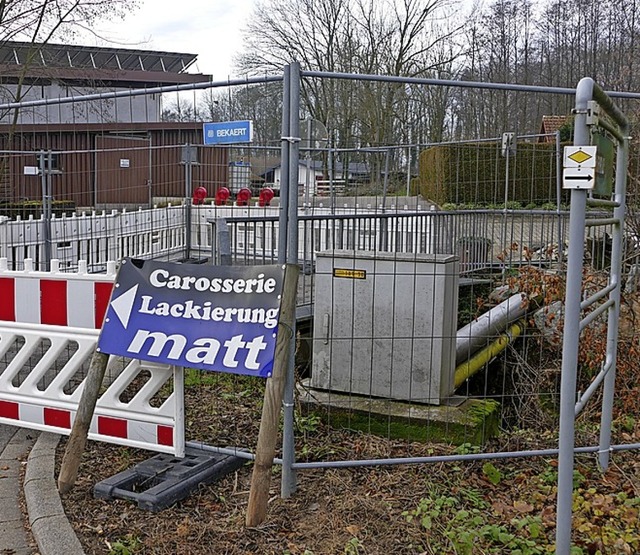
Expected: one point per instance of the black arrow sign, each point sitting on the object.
(578, 177)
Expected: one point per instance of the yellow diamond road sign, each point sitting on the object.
(579, 157)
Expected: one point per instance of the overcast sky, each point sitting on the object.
(212, 29)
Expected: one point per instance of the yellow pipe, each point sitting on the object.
(467, 369)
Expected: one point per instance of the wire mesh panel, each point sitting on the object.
(417, 234)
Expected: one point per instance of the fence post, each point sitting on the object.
(221, 252)
(288, 485)
(112, 226)
(80, 430)
(4, 237)
(45, 161)
(273, 396)
(571, 339)
(284, 165)
(188, 155)
(586, 91)
(559, 198)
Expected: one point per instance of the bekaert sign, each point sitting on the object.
(219, 318)
(227, 132)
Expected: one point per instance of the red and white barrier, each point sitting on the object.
(77, 300)
(39, 362)
(103, 428)
(49, 326)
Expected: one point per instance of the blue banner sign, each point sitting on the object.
(227, 132)
(219, 318)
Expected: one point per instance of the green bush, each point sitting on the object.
(475, 174)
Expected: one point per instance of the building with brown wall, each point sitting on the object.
(107, 151)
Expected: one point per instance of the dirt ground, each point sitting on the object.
(467, 508)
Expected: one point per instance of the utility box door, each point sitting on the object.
(385, 324)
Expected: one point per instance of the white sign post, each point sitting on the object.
(579, 167)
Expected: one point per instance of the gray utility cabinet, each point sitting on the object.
(385, 324)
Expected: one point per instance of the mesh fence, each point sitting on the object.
(430, 301)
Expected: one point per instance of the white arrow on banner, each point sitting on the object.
(123, 305)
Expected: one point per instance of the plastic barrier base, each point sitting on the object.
(162, 480)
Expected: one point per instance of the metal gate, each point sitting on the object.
(595, 114)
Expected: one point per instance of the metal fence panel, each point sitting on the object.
(502, 214)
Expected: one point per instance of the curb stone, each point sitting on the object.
(50, 527)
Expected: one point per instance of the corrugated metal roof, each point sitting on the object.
(93, 57)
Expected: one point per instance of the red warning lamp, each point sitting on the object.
(266, 196)
(243, 197)
(222, 196)
(199, 194)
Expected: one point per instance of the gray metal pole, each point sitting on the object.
(45, 172)
(283, 215)
(409, 167)
(359, 463)
(407, 90)
(614, 312)
(332, 188)
(288, 486)
(188, 191)
(559, 197)
(43, 185)
(577, 218)
(385, 180)
(307, 179)
(244, 81)
(505, 223)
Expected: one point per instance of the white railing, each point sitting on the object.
(76, 299)
(202, 216)
(100, 237)
(161, 233)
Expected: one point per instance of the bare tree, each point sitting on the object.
(38, 23)
(261, 103)
(554, 46)
(500, 51)
(179, 110)
(553, 43)
(394, 37)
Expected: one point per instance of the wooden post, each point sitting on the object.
(271, 410)
(78, 437)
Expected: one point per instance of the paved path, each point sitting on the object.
(15, 444)
(50, 527)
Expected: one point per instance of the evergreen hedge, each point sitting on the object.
(474, 174)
